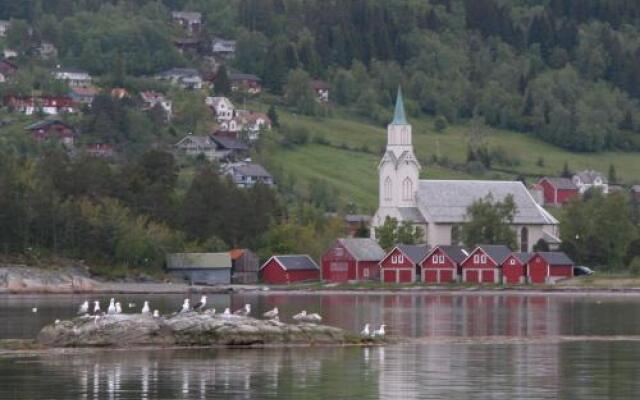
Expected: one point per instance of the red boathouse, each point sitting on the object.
(548, 267)
(281, 270)
(483, 264)
(352, 259)
(442, 264)
(514, 268)
(402, 264)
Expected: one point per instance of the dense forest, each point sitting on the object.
(561, 70)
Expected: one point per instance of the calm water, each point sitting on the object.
(530, 364)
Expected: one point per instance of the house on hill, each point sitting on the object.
(352, 259)
(223, 48)
(193, 146)
(84, 94)
(73, 77)
(4, 27)
(286, 269)
(190, 21)
(321, 89)
(7, 70)
(186, 78)
(442, 264)
(588, 179)
(151, 99)
(200, 268)
(558, 191)
(188, 45)
(246, 175)
(402, 264)
(245, 82)
(222, 107)
(439, 207)
(228, 148)
(51, 129)
(49, 105)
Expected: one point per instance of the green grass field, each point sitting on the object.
(353, 174)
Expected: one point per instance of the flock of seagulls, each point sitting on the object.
(378, 333)
(114, 307)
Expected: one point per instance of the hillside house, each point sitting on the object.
(100, 150)
(587, 179)
(7, 70)
(223, 48)
(245, 82)
(47, 51)
(194, 146)
(222, 107)
(200, 268)
(514, 268)
(9, 53)
(254, 123)
(246, 175)
(228, 148)
(186, 78)
(549, 267)
(286, 269)
(321, 89)
(187, 45)
(151, 99)
(4, 27)
(352, 259)
(52, 129)
(443, 264)
(483, 264)
(73, 77)
(83, 95)
(188, 20)
(402, 264)
(119, 93)
(244, 266)
(558, 191)
(49, 105)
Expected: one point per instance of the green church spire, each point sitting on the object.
(399, 117)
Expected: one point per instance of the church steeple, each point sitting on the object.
(399, 117)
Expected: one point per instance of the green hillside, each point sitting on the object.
(348, 161)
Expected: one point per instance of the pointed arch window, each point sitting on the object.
(388, 190)
(407, 189)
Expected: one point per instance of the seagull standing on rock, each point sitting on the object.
(379, 333)
(84, 308)
(118, 308)
(96, 306)
(227, 312)
(145, 308)
(156, 314)
(313, 317)
(245, 311)
(185, 306)
(200, 306)
(271, 314)
(300, 316)
(366, 332)
(112, 306)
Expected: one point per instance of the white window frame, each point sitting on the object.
(441, 259)
(483, 259)
(476, 259)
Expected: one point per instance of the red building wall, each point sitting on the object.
(513, 271)
(562, 271)
(338, 265)
(368, 270)
(480, 270)
(538, 270)
(397, 268)
(553, 196)
(274, 274)
(439, 268)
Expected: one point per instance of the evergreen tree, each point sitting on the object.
(222, 82)
(273, 116)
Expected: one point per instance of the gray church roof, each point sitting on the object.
(411, 214)
(446, 201)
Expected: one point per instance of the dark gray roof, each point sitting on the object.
(296, 262)
(179, 72)
(255, 170)
(497, 252)
(561, 183)
(353, 218)
(411, 214)
(198, 261)
(556, 257)
(228, 143)
(363, 249)
(523, 257)
(45, 123)
(415, 252)
(242, 77)
(446, 201)
(456, 253)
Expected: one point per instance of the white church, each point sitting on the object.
(439, 207)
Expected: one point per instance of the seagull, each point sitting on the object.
(313, 317)
(56, 322)
(112, 306)
(156, 314)
(200, 306)
(118, 308)
(271, 314)
(300, 316)
(96, 307)
(366, 332)
(185, 306)
(84, 308)
(34, 310)
(145, 308)
(227, 312)
(379, 332)
(211, 311)
(245, 311)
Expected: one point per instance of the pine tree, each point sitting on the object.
(222, 83)
(613, 178)
(273, 116)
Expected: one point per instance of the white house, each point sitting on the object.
(73, 77)
(223, 48)
(222, 107)
(152, 99)
(4, 27)
(588, 179)
(439, 207)
(189, 20)
(186, 78)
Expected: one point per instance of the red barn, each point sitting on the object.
(483, 264)
(558, 191)
(514, 268)
(352, 259)
(280, 270)
(442, 264)
(548, 267)
(402, 264)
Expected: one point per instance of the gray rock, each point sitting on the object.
(184, 329)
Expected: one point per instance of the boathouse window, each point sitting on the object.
(483, 259)
(441, 259)
(476, 259)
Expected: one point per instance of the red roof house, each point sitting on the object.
(514, 268)
(285, 269)
(483, 264)
(442, 264)
(401, 264)
(321, 88)
(558, 191)
(548, 267)
(352, 259)
(52, 129)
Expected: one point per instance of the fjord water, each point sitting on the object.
(466, 346)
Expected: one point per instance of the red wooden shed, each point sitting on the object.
(352, 259)
(402, 264)
(286, 269)
(442, 264)
(514, 268)
(483, 264)
(548, 267)
(558, 191)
